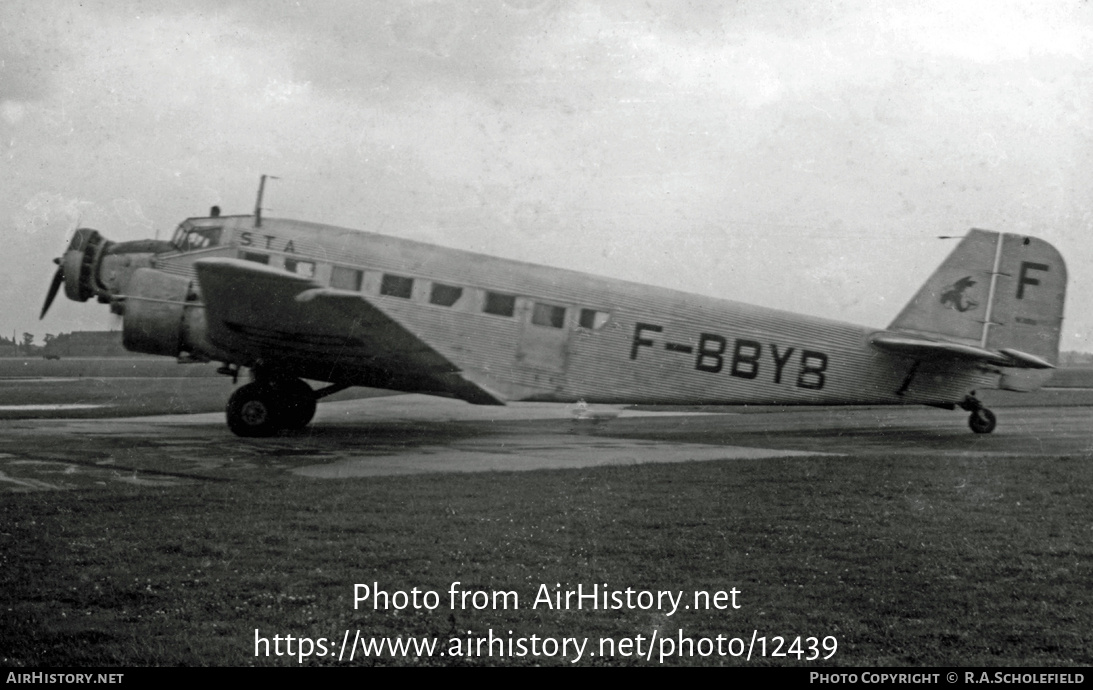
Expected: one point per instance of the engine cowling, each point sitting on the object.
(164, 316)
(79, 263)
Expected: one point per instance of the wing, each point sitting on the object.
(268, 317)
(911, 346)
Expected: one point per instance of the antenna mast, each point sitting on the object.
(258, 201)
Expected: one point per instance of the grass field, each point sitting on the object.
(905, 561)
(102, 367)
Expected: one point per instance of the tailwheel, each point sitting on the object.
(253, 411)
(982, 421)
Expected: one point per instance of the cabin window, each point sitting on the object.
(305, 269)
(445, 295)
(499, 304)
(256, 258)
(346, 278)
(192, 239)
(548, 315)
(592, 319)
(397, 286)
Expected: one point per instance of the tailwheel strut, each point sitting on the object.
(981, 420)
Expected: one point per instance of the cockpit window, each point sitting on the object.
(188, 239)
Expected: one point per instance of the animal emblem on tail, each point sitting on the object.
(954, 296)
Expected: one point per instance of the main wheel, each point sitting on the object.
(297, 402)
(254, 410)
(982, 421)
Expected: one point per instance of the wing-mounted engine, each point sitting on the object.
(164, 316)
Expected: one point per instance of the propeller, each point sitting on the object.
(80, 256)
(58, 281)
(58, 277)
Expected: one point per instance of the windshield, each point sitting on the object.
(188, 238)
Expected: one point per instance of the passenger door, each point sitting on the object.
(544, 336)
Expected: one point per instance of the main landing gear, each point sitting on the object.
(270, 404)
(981, 420)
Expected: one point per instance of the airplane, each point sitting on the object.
(292, 300)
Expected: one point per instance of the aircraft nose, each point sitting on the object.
(75, 270)
(79, 264)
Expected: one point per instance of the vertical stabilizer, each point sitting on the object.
(995, 291)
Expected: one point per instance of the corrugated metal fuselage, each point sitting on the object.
(531, 332)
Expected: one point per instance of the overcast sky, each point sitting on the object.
(802, 155)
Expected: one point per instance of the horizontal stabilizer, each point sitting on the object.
(1027, 360)
(932, 349)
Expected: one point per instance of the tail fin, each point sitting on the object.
(995, 291)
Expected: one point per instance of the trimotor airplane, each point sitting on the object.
(293, 300)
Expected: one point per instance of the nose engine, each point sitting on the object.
(93, 266)
(79, 262)
(162, 313)
(75, 269)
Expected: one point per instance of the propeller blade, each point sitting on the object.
(58, 280)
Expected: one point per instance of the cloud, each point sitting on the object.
(621, 138)
(46, 210)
